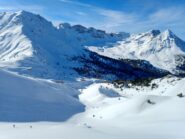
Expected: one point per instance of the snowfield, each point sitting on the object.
(109, 112)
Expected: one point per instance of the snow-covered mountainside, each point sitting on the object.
(30, 44)
(162, 49)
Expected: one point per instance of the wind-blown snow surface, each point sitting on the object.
(159, 48)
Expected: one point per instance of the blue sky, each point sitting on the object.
(112, 15)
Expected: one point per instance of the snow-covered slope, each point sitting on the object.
(30, 44)
(25, 99)
(112, 112)
(136, 112)
(14, 45)
(162, 49)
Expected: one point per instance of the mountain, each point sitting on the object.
(75, 82)
(31, 45)
(162, 49)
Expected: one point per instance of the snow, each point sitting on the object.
(160, 49)
(14, 45)
(24, 99)
(48, 107)
(126, 115)
(28, 41)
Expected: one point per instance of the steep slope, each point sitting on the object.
(162, 49)
(14, 44)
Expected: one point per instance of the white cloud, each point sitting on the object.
(115, 18)
(109, 18)
(167, 15)
(76, 3)
(164, 18)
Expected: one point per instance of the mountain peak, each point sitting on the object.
(168, 34)
(21, 17)
(159, 48)
(22, 12)
(165, 34)
(168, 31)
(17, 13)
(152, 33)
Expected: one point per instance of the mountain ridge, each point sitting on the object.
(31, 45)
